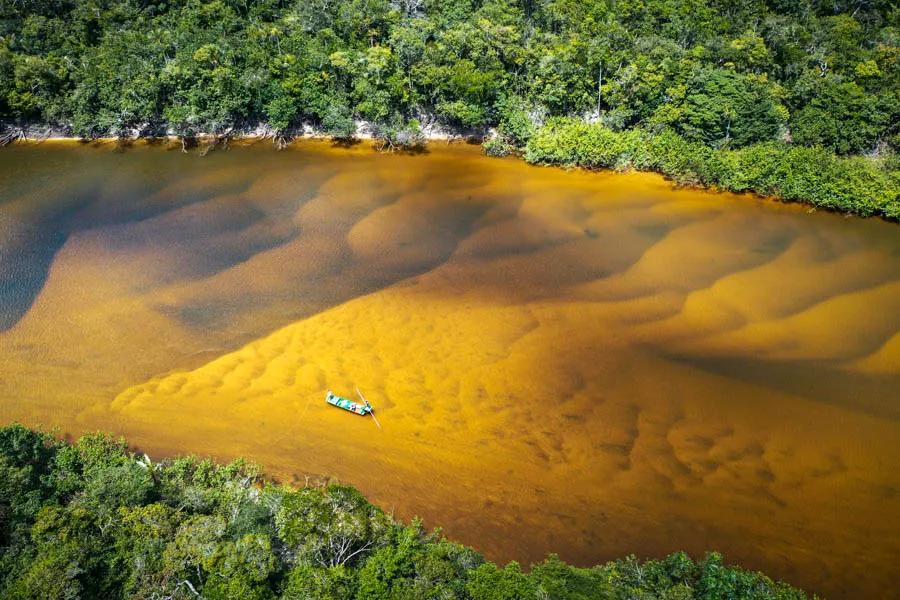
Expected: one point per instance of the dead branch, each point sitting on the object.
(190, 586)
(11, 136)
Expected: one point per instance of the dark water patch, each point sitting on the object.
(23, 271)
(103, 193)
(874, 394)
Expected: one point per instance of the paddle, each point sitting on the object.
(371, 410)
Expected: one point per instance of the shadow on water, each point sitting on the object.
(37, 222)
(129, 185)
(23, 272)
(30, 245)
(813, 380)
(346, 142)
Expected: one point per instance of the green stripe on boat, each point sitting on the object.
(340, 402)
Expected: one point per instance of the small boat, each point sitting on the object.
(362, 409)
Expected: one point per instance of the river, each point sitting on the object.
(592, 364)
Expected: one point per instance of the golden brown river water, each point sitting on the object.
(587, 364)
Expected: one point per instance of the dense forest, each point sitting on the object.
(94, 520)
(687, 75)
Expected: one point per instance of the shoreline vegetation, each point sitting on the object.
(810, 175)
(94, 519)
(799, 100)
(858, 185)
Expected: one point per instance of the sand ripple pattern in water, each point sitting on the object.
(592, 364)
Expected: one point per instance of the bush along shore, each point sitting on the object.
(816, 176)
(94, 520)
(799, 99)
(856, 185)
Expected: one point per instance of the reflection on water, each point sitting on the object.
(592, 364)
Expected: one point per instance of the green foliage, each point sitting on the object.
(80, 523)
(329, 527)
(573, 142)
(281, 111)
(52, 574)
(725, 109)
(556, 579)
(814, 175)
(87, 463)
(305, 582)
(399, 135)
(842, 116)
(25, 464)
(27, 448)
(727, 74)
(677, 577)
(415, 566)
(515, 123)
(489, 582)
(338, 123)
(723, 75)
(497, 146)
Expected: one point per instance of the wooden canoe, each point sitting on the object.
(354, 407)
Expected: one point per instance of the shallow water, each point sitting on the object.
(587, 364)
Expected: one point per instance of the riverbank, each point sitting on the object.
(362, 130)
(860, 186)
(96, 519)
(852, 185)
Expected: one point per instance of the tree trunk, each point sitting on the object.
(599, 90)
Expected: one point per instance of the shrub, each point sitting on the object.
(497, 147)
(514, 122)
(816, 176)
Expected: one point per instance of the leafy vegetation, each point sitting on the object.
(722, 74)
(93, 520)
(727, 73)
(814, 175)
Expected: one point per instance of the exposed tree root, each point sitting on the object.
(12, 135)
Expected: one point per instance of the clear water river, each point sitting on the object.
(592, 364)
